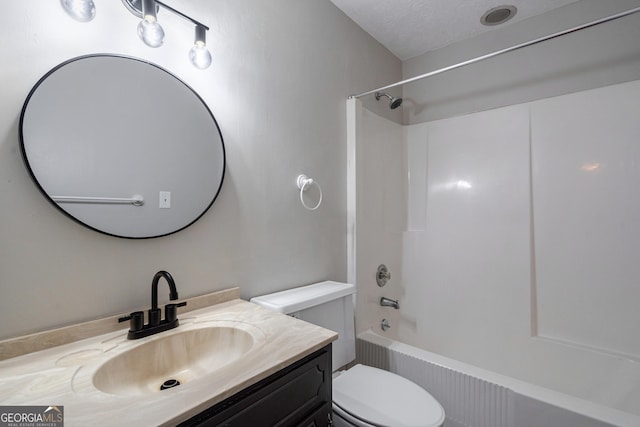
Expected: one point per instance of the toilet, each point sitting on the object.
(363, 396)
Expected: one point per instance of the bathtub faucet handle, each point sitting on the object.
(383, 275)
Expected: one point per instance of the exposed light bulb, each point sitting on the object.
(200, 56)
(151, 32)
(80, 10)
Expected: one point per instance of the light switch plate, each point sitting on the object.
(165, 199)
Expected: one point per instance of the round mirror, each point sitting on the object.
(122, 146)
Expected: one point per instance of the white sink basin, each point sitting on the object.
(180, 356)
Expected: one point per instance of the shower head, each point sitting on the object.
(393, 102)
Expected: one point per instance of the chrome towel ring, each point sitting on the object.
(304, 182)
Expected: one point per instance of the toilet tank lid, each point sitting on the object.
(297, 299)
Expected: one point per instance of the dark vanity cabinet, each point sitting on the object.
(298, 395)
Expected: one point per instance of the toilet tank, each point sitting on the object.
(326, 304)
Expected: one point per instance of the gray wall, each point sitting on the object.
(281, 72)
(595, 57)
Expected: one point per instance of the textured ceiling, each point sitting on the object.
(412, 27)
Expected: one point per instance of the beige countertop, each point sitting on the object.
(63, 375)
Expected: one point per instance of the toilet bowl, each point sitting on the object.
(363, 396)
(366, 396)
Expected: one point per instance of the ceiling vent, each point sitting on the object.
(498, 15)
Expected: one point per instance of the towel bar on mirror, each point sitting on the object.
(135, 200)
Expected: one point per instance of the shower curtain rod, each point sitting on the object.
(500, 52)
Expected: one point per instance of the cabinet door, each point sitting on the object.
(320, 418)
(299, 395)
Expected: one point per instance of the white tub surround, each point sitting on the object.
(517, 253)
(63, 375)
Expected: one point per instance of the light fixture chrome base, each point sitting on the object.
(135, 7)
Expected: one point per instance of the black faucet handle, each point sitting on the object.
(171, 311)
(136, 318)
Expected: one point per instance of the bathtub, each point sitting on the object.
(473, 397)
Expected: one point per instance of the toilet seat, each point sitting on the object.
(379, 398)
(339, 414)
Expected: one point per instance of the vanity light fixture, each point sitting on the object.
(152, 33)
(149, 29)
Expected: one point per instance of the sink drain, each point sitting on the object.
(169, 384)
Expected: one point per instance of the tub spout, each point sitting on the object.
(387, 302)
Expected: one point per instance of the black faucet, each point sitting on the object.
(137, 327)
